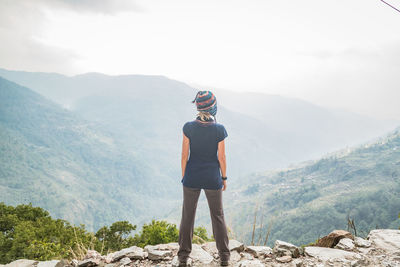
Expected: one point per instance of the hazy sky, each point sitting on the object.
(338, 53)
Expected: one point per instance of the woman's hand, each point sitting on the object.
(224, 185)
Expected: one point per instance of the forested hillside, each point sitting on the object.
(54, 159)
(309, 200)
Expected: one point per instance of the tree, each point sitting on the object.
(157, 232)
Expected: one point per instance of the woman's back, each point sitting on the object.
(202, 170)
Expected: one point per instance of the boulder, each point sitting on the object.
(22, 263)
(345, 244)
(198, 254)
(158, 252)
(235, 256)
(330, 253)
(258, 251)
(284, 259)
(282, 248)
(124, 261)
(133, 252)
(385, 239)
(333, 238)
(52, 263)
(210, 247)
(175, 262)
(361, 242)
(92, 254)
(154, 254)
(89, 262)
(236, 245)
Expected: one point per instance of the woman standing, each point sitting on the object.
(205, 169)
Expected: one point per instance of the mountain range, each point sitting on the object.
(94, 149)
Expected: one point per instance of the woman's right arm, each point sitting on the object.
(222, 161)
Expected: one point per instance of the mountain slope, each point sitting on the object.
(313, 198)
(54, 159)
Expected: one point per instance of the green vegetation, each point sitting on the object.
(29, 232)
(310, 201)
(55, 160)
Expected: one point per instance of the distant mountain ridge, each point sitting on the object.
(147, 112)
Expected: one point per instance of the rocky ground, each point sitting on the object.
(339, 248)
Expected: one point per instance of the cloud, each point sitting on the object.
(21, 25)
(95, 6)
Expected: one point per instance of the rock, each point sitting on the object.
(74, 263)
(297, 263)
(258, 251)
(210, 247)
(282, 248)
(124, 261)
(22, 263)
(175, 262)
(154, 254)
(345, 244)
(250, 263)
(133, 252)
(284, 259)
(92, 254)
(385, 239)
(236, 245)
(361, 242)
(330, 253)
(333, 238)
(89, 262)
(63, 263)
(235, 256)
(52, 263)
(246, 256)
(200, 255)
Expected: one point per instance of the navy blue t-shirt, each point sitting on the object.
(202, 168)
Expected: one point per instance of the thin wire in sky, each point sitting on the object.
(391, 6)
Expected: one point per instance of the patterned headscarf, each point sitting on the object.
(206, 101)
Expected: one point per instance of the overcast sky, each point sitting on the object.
(337, 53)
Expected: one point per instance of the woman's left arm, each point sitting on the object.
(185, 153)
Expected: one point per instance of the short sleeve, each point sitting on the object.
(221, 133)
(186, 129)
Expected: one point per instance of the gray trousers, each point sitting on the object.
(186, 228)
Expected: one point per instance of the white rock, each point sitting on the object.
(386, 239)
(236, 245)
(133, 252)
(284, 259)
(210, 247)
(175, 262)
(345, 244)
(361, 242)
(258, 251)
(92, 254)
(330, 253)
(22, 263)
(199, 254)
(124, 261)
(250, 263)
(284, 248)
(154, 254)
(51, 263)
(235, 256)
